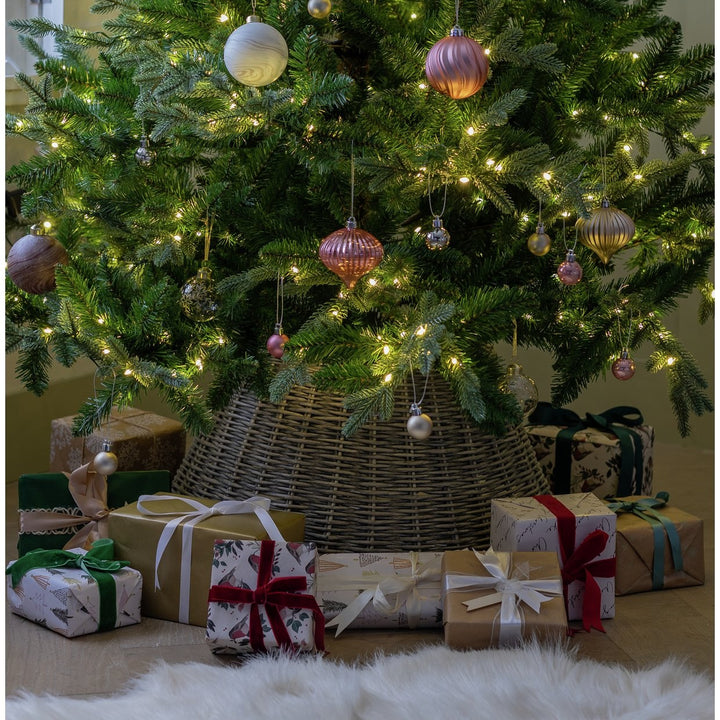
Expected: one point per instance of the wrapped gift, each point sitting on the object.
(380, 590)
(607, 454)
(499, 599)
(64, 510)
(140, 439)
(581, 530)
(169, 539)
(658, 546)
(75, 592)
(262, 597)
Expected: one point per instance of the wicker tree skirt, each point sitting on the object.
(379, 490)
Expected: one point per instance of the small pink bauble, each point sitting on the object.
(569, 271)
(624, 367)
(276, 345)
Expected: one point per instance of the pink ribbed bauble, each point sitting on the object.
(32, 259)
(456, 65)
(350, 252)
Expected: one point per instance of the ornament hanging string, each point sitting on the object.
(208, 233)
(626, 346)
(514, 342)
(352, 180)
(417, 404)
(279, 302)
(457, 12)
(442, 212)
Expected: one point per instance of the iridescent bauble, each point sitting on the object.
(624, 367)
(438, 238)
(456, 65)
(255, 53)
(522, 387)
(32, 260)
(569, 271)
(276, 344)
(419, 425)
(197, 297)
(539, 242)
(319, 8)
(105, 462)
(606, 230)
(350, 252)
(144, 156)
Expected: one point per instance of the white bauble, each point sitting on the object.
(106, 463)
(419, 426)
(255, 53)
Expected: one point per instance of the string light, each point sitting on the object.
(223, 18)
(128, 372)
(470, 130)
(372, 282)
(47, 331)
(547, 176)
(388, 378)
(386, 349)
(464, 179)
(671, 360)
(106, 351)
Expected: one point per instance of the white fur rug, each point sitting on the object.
(435, 683)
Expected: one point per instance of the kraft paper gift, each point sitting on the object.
(589, 545)
(262, 597)
(169, 538)
(496, 599)
(380, 590)
(75, 592)
(659, 546)
(65, 510)
(141, 440)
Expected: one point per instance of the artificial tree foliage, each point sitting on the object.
(577, 91)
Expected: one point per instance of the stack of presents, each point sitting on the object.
(96, 552)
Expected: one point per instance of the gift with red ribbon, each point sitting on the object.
(581, 529)
(280, 611)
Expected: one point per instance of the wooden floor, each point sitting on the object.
(648, 627)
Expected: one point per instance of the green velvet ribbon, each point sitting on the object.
(97, 562)
(617, 420)
(661, 526)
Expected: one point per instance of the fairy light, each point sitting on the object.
(498, 167)
(565, 213)
(422, 86)
(199, 233)
(106, 351)
(627, 148)
(421, 331)
(413, 16)
(178, 214)
(575, 113)
(295, 269)
(418, 229)
(199, 364)
(638, 176)
(47, 224)
(547, 176)
(221, 340)
(635, 56)
(177, 238)
(223, 18)
(489, 162)
(388, 378)
(373, 282)
(386, 349)
(454, 361)
(334, 313)
(128, 372)
(101, 321)
(487, 51)
(470, 130)
(671, 360)
(47, 331)
(54, 144)
(464, 179)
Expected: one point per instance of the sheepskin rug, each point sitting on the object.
(434, 683)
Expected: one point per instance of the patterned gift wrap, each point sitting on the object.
(581, 529)
(262, 597)
(69, 600)
(380, 590)
(579, 455)
(141, 440)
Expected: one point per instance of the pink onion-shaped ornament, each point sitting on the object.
(350, 252)
(276, 342)
(569, 272)
(624, 367)
(457, 65)
(606, 231)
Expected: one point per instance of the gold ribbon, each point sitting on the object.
(89, 491)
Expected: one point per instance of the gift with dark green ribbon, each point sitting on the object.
(622, 422)
(98, 563)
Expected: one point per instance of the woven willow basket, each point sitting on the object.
(378, 490)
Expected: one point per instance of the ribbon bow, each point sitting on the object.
(402, 588)
(96, 562)
(616, 421)
(89, 491)
(512, 589)
(196, 514)
(578, 562)
(645, 508)
(273, 594)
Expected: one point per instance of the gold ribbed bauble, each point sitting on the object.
(606, 231)
(456, 65)
(350, 252)
(32, 259)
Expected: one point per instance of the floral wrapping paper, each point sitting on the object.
(66, 600)
(595, 458)
(235, 563)
(342, 577)
(526, 525)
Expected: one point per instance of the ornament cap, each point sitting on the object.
(38, 229)
(252, 18)
(415, 409)
(570, 257)
(605, 203)
(106, 446)
(624, 355)
(540, 229)
(204, 273)
(351, 223)
(278, 329)
(513, 370)
(437, 222)
(457, 31)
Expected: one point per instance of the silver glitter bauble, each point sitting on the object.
(319, 8)
(197, 297)
(144, 156)
(438, 238)
(522, 387)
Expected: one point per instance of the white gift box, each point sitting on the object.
(525, 524)
(381, 590)
(67, 599)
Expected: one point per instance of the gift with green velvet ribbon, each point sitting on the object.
(646, 508)
(97, 562)
(617, 421)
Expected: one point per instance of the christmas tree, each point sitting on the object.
(186, 200)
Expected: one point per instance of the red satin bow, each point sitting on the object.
(578, 563)
(273, 594)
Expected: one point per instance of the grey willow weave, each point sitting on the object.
(378, 490)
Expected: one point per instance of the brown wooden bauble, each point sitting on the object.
(456, 65)
(351, 253)
(32, 259)
(606, 231)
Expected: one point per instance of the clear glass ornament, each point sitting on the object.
(570, 272)
(197, 297)
(438, 238)
(521, 386)
(144, 156)
(319, 8)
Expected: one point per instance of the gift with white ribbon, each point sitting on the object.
(380, 589)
